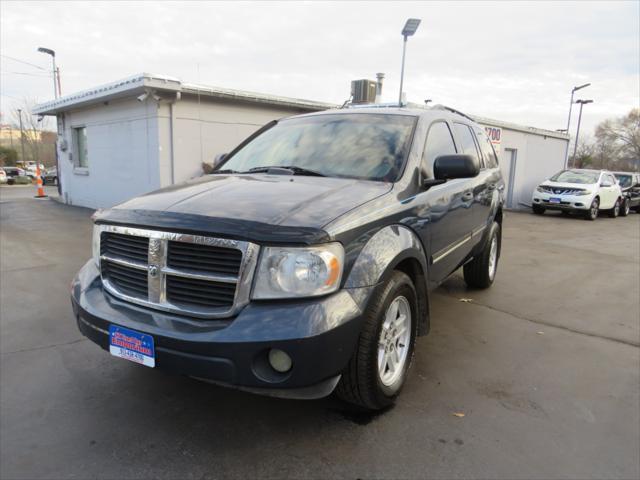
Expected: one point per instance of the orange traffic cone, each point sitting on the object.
(39, 183)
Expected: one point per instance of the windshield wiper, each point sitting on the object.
(226, 170)
(292, 168)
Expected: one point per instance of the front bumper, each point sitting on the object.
(567, 202)
(318, 334)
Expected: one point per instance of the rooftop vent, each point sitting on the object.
(363, 91)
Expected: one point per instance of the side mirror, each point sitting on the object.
(218, 159)
(447, 167)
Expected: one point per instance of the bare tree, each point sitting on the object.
(620, 138)
(32, 128)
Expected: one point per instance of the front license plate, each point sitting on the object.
(131, 345)
(554, 200)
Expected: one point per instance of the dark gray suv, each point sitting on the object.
(303, 264)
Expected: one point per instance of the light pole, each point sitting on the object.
(575, 147)
(48, 51)
(574, 90)
(409, 29)
(24, 160)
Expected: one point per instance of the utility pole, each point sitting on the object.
(24, 159)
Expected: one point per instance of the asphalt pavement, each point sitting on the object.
(538, 377)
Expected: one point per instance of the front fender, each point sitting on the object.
(384, 252)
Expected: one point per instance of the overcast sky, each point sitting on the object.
(512, 61)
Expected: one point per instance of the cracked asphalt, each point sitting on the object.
(545, 367)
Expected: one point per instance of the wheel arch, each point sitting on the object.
(394, 247)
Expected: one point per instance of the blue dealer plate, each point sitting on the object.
(554, 200)
(131, 345)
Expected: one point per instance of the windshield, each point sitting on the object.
(575, 176)
(624, 180)
(364, 146)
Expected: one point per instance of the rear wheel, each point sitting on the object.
(481, 271)
(615, 211)
(378, 369)
(537, 209)
(592, 213)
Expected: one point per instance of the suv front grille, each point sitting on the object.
(131, 281)
(126, 247)
(190, 274)
(204, 258)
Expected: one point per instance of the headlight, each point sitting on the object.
(540, 189)
(95, 245)
(583, 192)
(299, 272)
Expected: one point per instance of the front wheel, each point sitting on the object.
(626, 207)
(378, 369)
(481, 271)
(537, 209)
(592, 213)
(615, 211)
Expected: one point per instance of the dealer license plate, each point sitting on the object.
(554, 200)
(131, 345)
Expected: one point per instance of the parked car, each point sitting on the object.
(304, 262)
(3, 176)
(13, 173)
(630, 185)
(581, 191)
(50, 177)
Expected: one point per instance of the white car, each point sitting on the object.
(583, 191)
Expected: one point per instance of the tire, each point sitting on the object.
(565, 213)
(626, 207)
(11, 181)
(615, 211)
(363, 382)
(592, 213)
(538, 210)
(481, 271)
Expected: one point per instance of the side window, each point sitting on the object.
(489, 154)
(466, 141)
(612, 179)
(81, 157)
(439, 142)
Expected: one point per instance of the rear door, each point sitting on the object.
(490, 185)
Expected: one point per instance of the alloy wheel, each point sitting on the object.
(394, 340)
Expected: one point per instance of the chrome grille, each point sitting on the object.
(131, 281)
(126, 247)
(204, 258)
(194, 275)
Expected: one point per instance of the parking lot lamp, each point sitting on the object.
(575, 147)
(48, 51)
(573, 91)
(409, 29)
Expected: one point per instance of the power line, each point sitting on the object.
(22, 61)
(28, 73)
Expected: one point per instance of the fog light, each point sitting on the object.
(279, 360)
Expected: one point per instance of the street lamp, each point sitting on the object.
(409, 29)
(574, 90)
(48, 51)
(575, 147)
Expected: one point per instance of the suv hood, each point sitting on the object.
(583, 186)
(257, 207)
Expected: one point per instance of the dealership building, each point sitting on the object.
(135, 135)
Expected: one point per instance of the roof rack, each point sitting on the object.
(452, 110)
(374, 105)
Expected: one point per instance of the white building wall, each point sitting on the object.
(537, 158)
(202, 130)
(122, 138)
